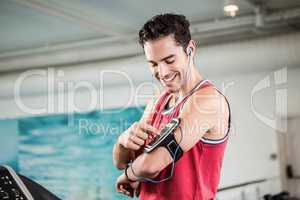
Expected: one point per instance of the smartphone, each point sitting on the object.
(168, 129)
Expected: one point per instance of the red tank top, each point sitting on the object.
(197, 173)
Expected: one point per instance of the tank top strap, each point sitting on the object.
(202, 84)
(159, 104)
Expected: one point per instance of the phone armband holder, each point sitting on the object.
(167, 139)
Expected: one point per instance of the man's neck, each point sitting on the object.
(195, 78)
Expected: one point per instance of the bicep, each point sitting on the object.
(199, 116)
(202, 114)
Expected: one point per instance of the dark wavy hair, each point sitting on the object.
(166, 24)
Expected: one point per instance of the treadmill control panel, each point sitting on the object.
(11, 186)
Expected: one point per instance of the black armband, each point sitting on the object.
(167, 139)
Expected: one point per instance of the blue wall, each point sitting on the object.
(71, 154)
(9, 142)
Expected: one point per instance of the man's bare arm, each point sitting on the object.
(130, 141)
(207, 111)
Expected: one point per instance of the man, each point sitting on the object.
(203, 132)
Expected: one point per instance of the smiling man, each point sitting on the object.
(202, 135)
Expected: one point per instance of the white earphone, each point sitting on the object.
(190, 51)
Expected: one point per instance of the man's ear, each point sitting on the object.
(191, 48)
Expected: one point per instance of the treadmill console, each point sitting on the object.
(11, 186)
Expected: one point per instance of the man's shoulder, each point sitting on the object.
(208, 102)
(208, 90)
(208, 97)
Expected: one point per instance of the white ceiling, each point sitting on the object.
(32, 24)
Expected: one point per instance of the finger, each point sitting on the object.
(138, 140)
(122, 189)
(149, 118)
(134, 127)
(119, 188)
(132, 145)
(128, 190)
(149, 128)
(138, 190)
(142, 134)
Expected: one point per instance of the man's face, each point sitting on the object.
(168, 62)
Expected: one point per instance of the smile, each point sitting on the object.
(171, 78)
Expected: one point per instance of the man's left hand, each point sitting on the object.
(124, 186)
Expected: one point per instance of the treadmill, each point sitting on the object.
(18, 187)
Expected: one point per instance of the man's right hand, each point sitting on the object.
(134, 138)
